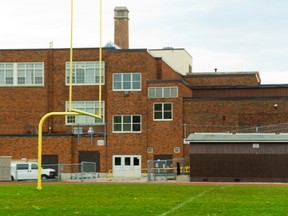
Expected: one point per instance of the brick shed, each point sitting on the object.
(238, 157)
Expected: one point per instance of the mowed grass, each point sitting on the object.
(143, 199)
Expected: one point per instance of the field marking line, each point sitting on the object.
(191, 199)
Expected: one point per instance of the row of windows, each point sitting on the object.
(163, 92)
(121, 123)
(83, 73)
(31, 74)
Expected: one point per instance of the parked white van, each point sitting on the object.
(29, 170)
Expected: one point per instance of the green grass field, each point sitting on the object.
(143, 199)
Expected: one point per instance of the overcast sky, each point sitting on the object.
(231, 35)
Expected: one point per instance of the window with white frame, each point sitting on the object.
(127, 123)
(126, 81)
(86, 106)
(162, 111)
(22, 74)
(163, 92)
(85, 73)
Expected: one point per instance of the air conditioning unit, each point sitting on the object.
(77, 130)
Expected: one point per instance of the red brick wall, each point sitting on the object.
(222, 79)
(228, 115)
(66, 148)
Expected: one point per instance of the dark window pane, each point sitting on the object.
(157, 115)
(158, 107)
(167, 115)
(117, 127)
(167, 106)
(34, 166)
(136, 119)
(136, 127)
(126, 119)
(117, 161)
(126, 127)
(136, 161)
(22, 166)
(117, 119)
(127, 161)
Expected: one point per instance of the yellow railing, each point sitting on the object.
(185, 169)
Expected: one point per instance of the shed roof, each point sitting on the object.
(237, 137)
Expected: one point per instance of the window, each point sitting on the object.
(85, 73)
(22, 166)
(86, 106)
(162, 111)
(126, 81)
(34, 166)
(22, 74)
(136, 161)
(117, 161)
(126, 123)
(127, 161)
(163, 92)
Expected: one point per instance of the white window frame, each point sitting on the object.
(163, 111)
(86, 106)
(161, 92)
(129, 84)
(122, 124)
(29, 72)
(86, 73)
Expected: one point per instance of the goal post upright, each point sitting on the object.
(71, 111)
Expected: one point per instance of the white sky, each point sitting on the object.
(231, 35)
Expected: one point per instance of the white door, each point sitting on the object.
(127, 165)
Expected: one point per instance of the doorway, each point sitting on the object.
(90, 156)
(127, 165)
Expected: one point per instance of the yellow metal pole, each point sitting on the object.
(71, 111)
(71, 57)
(85, 113)
(100, 63)
(40, 138)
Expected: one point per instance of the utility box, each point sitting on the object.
(5, 168)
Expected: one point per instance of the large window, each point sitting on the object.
(22, 74)
(163, 92)
(85, 73)
(86, 106)
(127, 123)
(162, 111)
(127, 81)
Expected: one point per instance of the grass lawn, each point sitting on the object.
(143, 199)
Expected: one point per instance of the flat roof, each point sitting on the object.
(237, 137)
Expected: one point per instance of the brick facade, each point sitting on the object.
(203, 109)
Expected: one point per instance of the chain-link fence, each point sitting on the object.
(85, 171)
(163, 170)
(28, 171)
